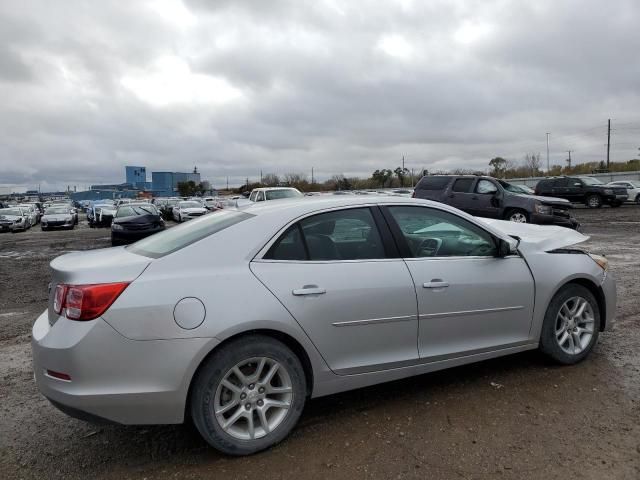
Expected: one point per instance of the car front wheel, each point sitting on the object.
(518, 216)
(248, 395)
(571, 325)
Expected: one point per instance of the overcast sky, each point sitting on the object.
(237, 86)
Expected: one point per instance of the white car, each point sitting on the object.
(31, 212)
(187, 210)
(305, 298)
(273, 193)
(633, 189)
(57, 216)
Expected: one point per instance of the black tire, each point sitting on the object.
(593, 201)
(214, 370)
(548, 343)
(638, 199)
(514, 213)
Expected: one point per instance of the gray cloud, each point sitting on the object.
(236, 87)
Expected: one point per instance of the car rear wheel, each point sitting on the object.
(594, 201)
(248, 395)
(518, 216)
(571, 325)
(638, 199)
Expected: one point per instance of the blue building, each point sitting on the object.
(136, 176)
(166, 183)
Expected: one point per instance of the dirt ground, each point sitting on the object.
(514, 417)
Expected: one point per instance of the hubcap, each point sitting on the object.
(593, 201)
(253, 398)
(518, 217)
(574, 325)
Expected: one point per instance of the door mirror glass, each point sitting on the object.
(577, 184)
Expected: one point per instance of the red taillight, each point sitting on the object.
(86, 302)
(58, 299)
(60, 376)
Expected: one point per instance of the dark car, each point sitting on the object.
(588, 190)
(488, 197)
(135, 221)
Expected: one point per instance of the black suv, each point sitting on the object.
(492, 198)
(588, 190)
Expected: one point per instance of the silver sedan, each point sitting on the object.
(235, 319)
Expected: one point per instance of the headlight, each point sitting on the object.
(608, 191)
(602, 262)
(543, 209)
(116, 226)
(19, 220)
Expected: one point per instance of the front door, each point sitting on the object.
(333, 273)
(469, 301)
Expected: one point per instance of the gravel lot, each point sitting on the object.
(514, 417)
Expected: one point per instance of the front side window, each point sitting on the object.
(349, 234)
(433, 233)
(260, 197)
(253, 196)
(486, 187)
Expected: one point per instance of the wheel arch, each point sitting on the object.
(279, 335)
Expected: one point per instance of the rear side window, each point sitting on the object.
(433, 183)
(462, 185)
(349, 234)
(176, 238)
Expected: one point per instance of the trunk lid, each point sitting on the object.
(105, 265)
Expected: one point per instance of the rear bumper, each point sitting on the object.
(114, 378)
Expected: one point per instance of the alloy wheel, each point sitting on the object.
(253, 398)
(574, 325)
(518, 217)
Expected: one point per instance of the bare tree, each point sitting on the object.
(532, 163)
(270, 180)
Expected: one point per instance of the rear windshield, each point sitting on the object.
(433, 183)
(277, 194)
(175, 238)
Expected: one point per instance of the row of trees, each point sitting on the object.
(529, 166)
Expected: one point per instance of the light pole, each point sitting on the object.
(548, 152)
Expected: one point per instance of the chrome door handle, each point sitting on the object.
(436, 284)
(309, 290)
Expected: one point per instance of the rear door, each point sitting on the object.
(336, 272)
(460, 195)
(469, 301)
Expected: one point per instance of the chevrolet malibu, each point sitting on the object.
(235, 319)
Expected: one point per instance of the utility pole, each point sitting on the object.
(312, 179)
(260, 176)
(548, 152)
(569, 159)
(403, 163)
(608, 141)
(227, 184)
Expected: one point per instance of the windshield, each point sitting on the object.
(11, 211)
(277, 194)
(56, 211)
(175, 238)
(190, 205)
(509, 187)
(590, 181)
(133, 210)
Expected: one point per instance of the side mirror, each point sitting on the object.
(506, 248)
(577, 184)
